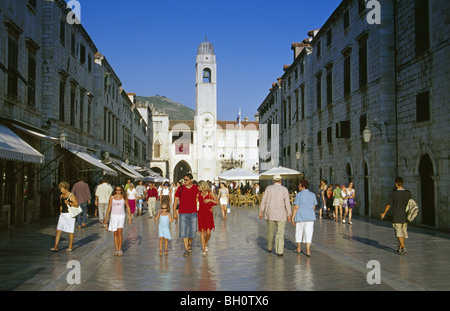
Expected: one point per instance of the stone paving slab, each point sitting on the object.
(237, 259)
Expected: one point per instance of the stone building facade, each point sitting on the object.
(351, 75)
(58, 96)
(423, 110)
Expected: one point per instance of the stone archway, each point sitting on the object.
(157, 170)
(427, 190)
(366, 190)
(180, 169)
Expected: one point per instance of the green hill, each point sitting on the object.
(176, 111)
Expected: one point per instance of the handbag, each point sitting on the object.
(73, 210)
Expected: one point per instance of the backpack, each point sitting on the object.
(412, 209)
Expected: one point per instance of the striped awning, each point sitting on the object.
(131, 170)
(123, 171)
(94, 161)
(14, 148)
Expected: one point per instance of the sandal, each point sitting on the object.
(53, 249)
(186, 253)
(68, 250)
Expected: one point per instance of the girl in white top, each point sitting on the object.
(131, 196)
(116, 207)
(350, 202)
(223, 198)
(165, 195)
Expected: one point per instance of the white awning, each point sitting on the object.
(94, 161)
(36, 134)
(131, 170)
(12, 147)
(238, 174)
(124, 171)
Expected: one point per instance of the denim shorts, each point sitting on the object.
(188, 225)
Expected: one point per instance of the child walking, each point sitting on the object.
(164, 230)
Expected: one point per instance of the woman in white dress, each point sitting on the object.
(116, 207)
(65, 223)
(223, 199)
(350, 202)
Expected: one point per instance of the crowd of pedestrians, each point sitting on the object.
(335, 203)
(191, 203)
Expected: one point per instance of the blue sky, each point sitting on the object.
(152, 45)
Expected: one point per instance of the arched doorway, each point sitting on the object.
(348, 170)
(157, 170)
(427, 190)
(366, 190)
(180, 169)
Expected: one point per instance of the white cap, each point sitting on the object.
(277, 177)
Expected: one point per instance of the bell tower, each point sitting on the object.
(206, 111)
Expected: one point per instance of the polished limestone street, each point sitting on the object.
(343, 258)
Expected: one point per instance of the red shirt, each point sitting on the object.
(152, 193)
(188, 199)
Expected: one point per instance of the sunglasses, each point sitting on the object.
(118, 189)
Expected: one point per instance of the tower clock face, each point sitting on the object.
(207, 119)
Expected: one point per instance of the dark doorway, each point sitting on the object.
(180, 169)
(366, 190)
(157, 170)
(349, 173)
(427, 191)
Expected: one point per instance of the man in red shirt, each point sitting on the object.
(152, 196)
(186, 195)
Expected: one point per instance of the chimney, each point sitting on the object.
(297, 48)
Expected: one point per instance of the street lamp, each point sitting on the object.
(63, 136)
(367, 134)
(297, 156)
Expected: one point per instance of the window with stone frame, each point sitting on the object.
(329, 134)
(13, 64)
(62, 98)
(62, 32)
(422, 26)
(329, 84)
(346, 19)
(319, 91)
(363, 61)
(347, 75)
(423, 107)
(31, 94)
(157, 149)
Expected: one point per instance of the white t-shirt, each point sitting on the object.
(131, 194)
(103, 193)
